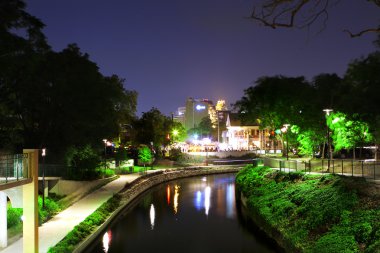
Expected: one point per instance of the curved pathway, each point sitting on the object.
(53, 231)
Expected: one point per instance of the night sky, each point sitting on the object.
(173, 49)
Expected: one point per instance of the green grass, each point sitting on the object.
(315, 213)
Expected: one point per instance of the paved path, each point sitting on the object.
(53, 231)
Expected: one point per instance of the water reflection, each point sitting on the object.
(198, 200)
(168, 195)
(152, 215)
(175, 201)
(207, 199)
(230, 200)
(107, 237)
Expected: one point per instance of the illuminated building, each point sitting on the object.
(247, 137)
(196, 110)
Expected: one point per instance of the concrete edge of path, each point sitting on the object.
(136, 189)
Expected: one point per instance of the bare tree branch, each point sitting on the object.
(354, 35)
(299, 13)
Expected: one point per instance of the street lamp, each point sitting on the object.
(43, 154)
(285, 130)
(105, 155)
(329, 155)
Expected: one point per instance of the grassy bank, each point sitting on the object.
(314, 213)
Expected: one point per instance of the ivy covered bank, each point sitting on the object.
(312, 213)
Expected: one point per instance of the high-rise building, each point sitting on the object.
(196, 110)
(179, 116)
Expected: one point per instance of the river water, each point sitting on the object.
(196, 214)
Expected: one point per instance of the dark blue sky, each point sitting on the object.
(173, 49)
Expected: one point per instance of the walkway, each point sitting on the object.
(53, 231)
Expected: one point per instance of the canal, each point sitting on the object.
(196, 214)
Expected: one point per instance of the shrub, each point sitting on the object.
(14, 217)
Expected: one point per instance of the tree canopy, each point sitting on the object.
(53, 99)
(274, 101)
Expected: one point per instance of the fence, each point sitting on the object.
(53, 170)
(362, 168)
(13, 168)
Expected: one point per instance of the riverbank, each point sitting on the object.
(312, 213)
(137, 187)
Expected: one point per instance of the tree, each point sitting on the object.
(50, 99)
(154, 127)
(205, 127)
(309, 140)
(363, 82)
(347, 133)
(145, 155)
(278, 100)
(301, 14)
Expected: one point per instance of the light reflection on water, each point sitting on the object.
(107, 237)
(207, 199)
(175, 201)
(152, 215)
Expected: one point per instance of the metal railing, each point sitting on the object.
(363, 168)
(13, 168)
(53, 170)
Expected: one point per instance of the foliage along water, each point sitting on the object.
(197, 214)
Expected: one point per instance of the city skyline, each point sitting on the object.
(170, 51)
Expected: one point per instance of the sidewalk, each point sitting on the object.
(53, 231)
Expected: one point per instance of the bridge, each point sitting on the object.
(19, 183)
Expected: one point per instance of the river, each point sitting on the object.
(196, 214)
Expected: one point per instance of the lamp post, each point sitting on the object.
(43, 154)
(105, 155)
(285, 130)
(329, 155)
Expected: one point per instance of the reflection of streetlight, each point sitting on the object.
(329, 155)
(285, 130)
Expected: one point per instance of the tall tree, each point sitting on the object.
(363, 79)
(154, 127)
(22, 50)
(278, 100)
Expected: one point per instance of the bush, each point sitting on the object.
(51, 208)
